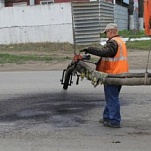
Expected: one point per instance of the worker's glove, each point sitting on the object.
(85, 50)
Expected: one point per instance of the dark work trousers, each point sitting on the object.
(112, 108)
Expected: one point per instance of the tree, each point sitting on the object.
(140, 14)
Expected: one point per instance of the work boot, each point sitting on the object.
(103, 121)
(108, 124)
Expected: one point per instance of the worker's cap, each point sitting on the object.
(110, 26)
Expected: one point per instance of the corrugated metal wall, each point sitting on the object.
(106, 14)
(86, 22)
(121, 17)
(89, 19)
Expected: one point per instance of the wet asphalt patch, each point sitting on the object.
(58, 109)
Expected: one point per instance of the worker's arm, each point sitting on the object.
(109, 50)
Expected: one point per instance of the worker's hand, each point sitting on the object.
(84, 50)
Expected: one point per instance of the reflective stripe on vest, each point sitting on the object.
(114, 59)
(116, 65)
(121, 57)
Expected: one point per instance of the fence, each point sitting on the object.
(42, 23)
(78, 22)
(121, 17)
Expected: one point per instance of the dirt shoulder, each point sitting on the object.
(137, 60)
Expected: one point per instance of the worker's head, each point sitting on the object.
(111, 30)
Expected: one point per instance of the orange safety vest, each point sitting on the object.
(116, 65)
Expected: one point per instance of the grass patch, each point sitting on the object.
(37, 47)
(11, 58)
(20, 59)
(139, 45)
(129, 34)
(47, 52)
(132, 34)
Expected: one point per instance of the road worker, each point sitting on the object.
(113, 60)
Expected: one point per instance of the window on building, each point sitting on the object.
(46, 2)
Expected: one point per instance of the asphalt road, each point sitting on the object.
(36, 114)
